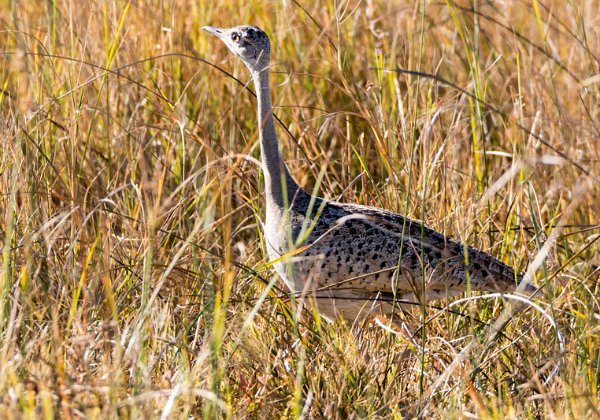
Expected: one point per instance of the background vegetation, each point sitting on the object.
(133, 275)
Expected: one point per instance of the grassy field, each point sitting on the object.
(134, 280)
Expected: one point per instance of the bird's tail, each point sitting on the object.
(527, 289)
(492, 275)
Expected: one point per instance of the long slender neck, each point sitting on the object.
(277, 176)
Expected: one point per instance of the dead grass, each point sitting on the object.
(133, 265)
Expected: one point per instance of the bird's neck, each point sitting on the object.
(277, 177)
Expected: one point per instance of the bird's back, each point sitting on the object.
(356, 259)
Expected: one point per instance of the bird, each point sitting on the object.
(351, 260)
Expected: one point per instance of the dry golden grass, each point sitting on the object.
(133, 280)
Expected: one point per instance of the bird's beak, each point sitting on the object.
(212, 30)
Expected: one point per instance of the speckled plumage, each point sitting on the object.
(354, 260)
(363, 254)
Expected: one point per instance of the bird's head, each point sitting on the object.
(250, 43)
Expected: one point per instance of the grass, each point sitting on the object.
(134, 280)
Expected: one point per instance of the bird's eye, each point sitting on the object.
(235, 37)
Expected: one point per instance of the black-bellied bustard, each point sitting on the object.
(352, 259)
